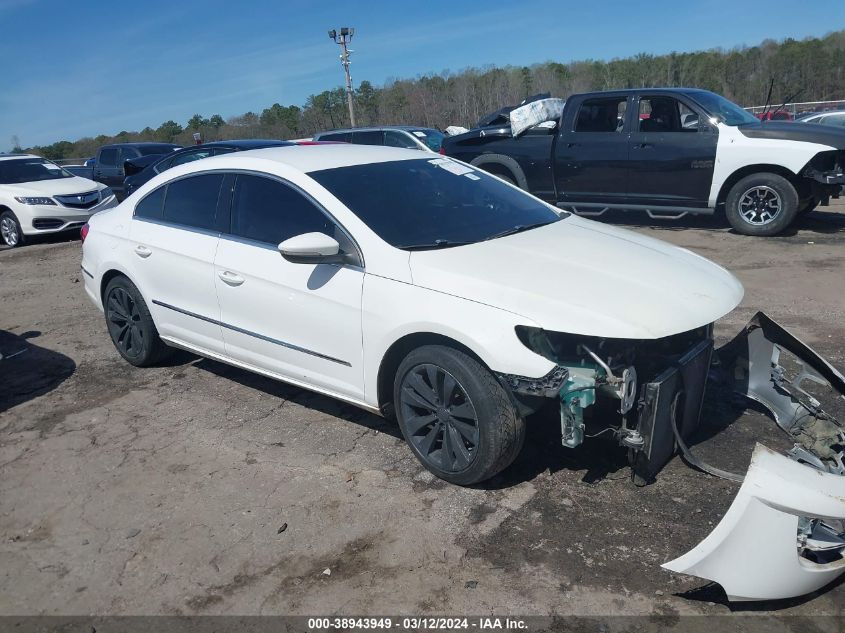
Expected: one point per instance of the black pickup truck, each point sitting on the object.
(668, 152)
(109, 164)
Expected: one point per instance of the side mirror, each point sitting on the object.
(312, 248)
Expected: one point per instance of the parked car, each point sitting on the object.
(108, 166)
(142, 169)
(418, 287)
(406, 136)
(696, 153)
(834, 117)
(37, 197)
(776, 115)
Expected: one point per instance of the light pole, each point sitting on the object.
(343, 37)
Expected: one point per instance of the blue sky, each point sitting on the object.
(73, 69)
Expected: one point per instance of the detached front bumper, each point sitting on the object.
(784, 534)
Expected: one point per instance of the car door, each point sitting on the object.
(591, 152)
(173, 239)
(108, 168)
(672, 153)
(298, 321)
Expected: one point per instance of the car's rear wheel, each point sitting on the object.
(457, 418)
(10, 229)
(130, 325)
(761, 204)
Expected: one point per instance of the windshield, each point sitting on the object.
(433, 203)
(432, 138)
(148, 150)
(17, 170)
(727, 111)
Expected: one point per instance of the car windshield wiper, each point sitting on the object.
(433, 245)
(519, 228)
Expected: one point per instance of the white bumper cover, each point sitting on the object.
(756, 552)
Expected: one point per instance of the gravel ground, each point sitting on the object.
(197, 488)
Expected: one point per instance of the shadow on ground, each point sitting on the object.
(28, 371)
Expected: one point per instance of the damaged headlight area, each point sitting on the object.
(642, 388)
(784, 534)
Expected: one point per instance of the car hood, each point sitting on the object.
(796, 131)
(582, 277)
(56, 187)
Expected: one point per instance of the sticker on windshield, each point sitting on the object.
(472, 177)
(451, 166)
(420, 134)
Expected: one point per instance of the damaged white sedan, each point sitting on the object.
(428, 290)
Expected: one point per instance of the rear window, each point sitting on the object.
(432, 138)
(371, 137)
(147, 150)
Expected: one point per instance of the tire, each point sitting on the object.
(761, 204)
(475, 435)
(130, 325)
(10, 229)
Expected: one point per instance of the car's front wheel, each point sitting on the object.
(10, 229)
(130, 325)
(457, 418)
(762, 204)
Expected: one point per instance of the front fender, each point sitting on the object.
(488, 332)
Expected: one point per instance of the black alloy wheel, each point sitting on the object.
(440, 419)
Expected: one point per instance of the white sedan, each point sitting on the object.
(422, 288)
(37, 197)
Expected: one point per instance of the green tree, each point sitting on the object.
(168, 130)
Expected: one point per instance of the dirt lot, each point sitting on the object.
(164, 491)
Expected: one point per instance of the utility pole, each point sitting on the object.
(343, 37)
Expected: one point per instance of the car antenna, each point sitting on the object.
(788, 100)
(768, 98)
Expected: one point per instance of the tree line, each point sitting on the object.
(814, 66)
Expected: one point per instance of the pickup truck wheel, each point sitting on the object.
(10, 230)
(457, 418)
(130, 325)
(761, 204)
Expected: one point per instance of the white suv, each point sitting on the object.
(37, 196)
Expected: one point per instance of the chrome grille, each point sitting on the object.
(79, 200)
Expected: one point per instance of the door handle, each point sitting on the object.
(643, 145)
(230, 278)
(572, 144)
(142, 251)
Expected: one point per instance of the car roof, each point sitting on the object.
(245, 142)
(309, 158)
(11, 156)
(142, 144)
(376, 128)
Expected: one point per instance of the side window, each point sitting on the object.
(268, 211)
(373, 137)
(392, 138)
(163, 165)
(223, 150)
(150, 206)
(665, 114)
(108, 157)
(343, 137)
(188, 157)
(192, 201)
(127, 153)
(602, 115)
